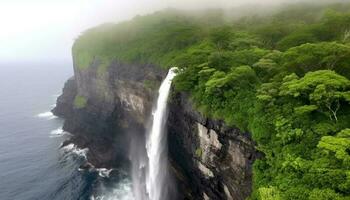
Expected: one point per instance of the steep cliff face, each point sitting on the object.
(104, 106)
(215, 159)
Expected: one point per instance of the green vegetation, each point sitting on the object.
(103, 66)
(199, 152)
(153, 39)
(282, 77)
(80, 102)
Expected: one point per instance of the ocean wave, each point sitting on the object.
(73, 149)
(102, 172)
(121, 191)
(58, 133)
(47, 115)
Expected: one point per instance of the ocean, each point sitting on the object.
(32, 164)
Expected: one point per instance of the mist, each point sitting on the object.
(44, 30)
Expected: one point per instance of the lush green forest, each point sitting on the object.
(284, 77)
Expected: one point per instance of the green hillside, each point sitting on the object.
(283, 77)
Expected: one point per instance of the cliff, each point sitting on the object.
(104, 110)
(215, 159)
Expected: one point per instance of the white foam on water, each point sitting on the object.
(58, 133)
(122, 191)
(103, 172)
(73, 149)
(47, 115)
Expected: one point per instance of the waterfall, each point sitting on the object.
(156, 145)
(148, 152)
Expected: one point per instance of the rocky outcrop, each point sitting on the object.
(105, 105)
(215, 159)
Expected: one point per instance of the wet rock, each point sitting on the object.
(86, 166)
(215, 158)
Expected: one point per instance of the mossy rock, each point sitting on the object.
(199, 152)
(80, 102)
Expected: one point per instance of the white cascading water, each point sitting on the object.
(156, 177)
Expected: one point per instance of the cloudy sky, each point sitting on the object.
(38, 30)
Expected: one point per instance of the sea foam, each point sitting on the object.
(46, 115)
(58, 133)
(73, 149)
(122, 191)
(103, 172)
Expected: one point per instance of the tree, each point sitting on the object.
(272, 33)
(269, 193)
(221, 38)
(240, 77)
(243, 40)
(335, 24)
(338, 145)
(221, 60)
(323, 88)
(248, 56)
(266, 68)
(312, 57)
(296, 39)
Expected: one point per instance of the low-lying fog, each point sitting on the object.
(44, 30)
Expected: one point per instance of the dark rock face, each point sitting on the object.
(117, 105)
(208, 159)
(215, 160)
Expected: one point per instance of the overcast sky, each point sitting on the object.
(35, 30)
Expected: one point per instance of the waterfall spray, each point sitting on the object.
(156, 179)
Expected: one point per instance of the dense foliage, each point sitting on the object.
(283, 77)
